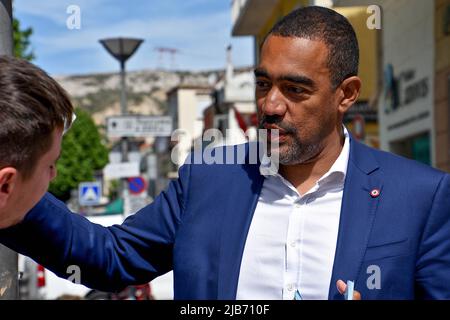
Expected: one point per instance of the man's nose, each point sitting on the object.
(274, 103)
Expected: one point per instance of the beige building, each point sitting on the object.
(186, 106)
(233, 111)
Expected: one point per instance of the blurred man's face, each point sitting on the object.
(294, 94)
(25, 193)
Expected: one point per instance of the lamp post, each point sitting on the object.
(9, 286)
(122, 49)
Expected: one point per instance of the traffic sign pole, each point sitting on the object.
(124, 147)
(124, 111)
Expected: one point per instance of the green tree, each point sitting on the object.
(82, 154)
(22, 41)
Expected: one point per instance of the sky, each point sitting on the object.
(199, 29)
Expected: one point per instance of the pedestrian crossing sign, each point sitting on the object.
(89, 193)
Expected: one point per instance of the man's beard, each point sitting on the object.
(294, 150)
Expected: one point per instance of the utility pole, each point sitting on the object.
(9, 287)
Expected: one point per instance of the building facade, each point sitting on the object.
(442, 83)
(233, 111)
(414, 104)
(186, 106)
(405, 108)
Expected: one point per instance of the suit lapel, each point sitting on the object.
(357, 214)
(244, 191)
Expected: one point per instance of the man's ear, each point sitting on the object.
(349, 93)
(8, 179)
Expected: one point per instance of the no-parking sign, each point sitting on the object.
(136, 185)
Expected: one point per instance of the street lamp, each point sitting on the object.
(122, 49)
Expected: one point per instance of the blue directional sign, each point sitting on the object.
(89, 193)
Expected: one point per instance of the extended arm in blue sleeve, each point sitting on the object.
(109, 258)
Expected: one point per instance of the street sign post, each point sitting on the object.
(89, 193)
(152, 167)
(135, 202)
(138, 126)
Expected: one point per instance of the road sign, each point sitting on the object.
(89, 193)
(121, 170)
(139, 126)
(135, 202)
(136, 185)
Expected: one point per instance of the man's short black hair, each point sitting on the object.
(323, 24)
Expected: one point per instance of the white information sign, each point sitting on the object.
(139, 126)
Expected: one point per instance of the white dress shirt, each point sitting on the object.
(292, 237)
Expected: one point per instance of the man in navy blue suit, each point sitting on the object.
(336, 210)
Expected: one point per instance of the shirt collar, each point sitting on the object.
(339, 167)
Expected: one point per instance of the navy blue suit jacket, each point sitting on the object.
(198, 228)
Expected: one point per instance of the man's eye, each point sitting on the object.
(296, 90)
(262, 84)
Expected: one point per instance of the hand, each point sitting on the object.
(341, 286)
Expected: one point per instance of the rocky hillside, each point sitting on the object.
(100, 95)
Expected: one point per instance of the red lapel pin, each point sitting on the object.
(375, 193)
